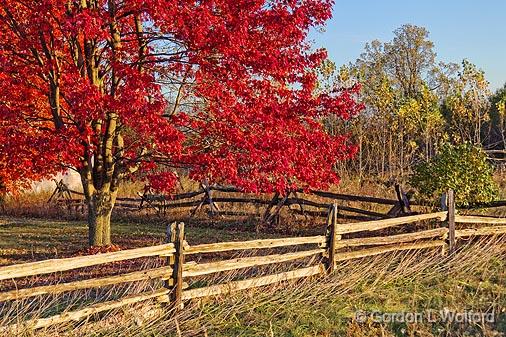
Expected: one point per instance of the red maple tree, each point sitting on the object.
(224, 88)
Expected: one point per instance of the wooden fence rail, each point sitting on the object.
(255, 244)
(322, 253)
(86, 284)
(399, 238)
(480, 220)
(59, 265)
(196, 200)
(386, 223)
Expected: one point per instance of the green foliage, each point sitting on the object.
(498, 116)
(463, 168)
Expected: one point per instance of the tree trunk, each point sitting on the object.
(100, 206)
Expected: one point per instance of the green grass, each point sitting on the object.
(28, 239)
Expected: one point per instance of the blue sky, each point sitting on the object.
(475, 30)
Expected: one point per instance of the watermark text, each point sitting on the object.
(430, 316)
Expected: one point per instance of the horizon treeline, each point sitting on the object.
(414, 104)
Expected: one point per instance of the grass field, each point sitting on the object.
(411, 283)
(29, 239)
(414, 282)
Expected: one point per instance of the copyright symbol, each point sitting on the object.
(361, 316)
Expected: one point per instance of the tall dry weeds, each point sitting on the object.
(472, 279)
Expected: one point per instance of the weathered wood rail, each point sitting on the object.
(320, 254)
(59, 265)
(192, 202)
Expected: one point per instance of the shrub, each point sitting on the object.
(463, 168)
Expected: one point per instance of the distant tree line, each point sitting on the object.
(414, 105)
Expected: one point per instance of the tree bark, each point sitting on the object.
(100, 205)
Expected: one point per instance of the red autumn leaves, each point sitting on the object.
(223, 88)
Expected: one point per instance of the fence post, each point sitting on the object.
(403, 199)
(448, 204)
(451, 221)
(170, 237)
(177, 235)
(331, 238)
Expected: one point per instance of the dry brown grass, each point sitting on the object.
(33, 204)
(414, 281)
(472, 279)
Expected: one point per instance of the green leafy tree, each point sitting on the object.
(463, 168)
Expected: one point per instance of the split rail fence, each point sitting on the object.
(339, 243)
(215, 196)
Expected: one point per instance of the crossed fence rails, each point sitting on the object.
(326, 251)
